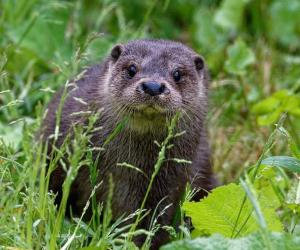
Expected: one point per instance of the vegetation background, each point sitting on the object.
(252, 49)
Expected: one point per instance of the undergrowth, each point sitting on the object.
(252, 49)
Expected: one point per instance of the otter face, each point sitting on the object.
(150, 80)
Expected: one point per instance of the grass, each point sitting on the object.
(43, 44)
(32, 207)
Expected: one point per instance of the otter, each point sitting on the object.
(146, 82)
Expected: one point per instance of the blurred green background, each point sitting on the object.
(252, 49)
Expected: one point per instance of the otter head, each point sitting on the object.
(149, 80)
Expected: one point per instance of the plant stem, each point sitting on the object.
(157, 166)
(268, 145)
(293, 131)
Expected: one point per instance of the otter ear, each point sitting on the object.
(116, 51)
(199, 62)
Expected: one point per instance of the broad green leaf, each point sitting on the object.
(295, 207)
(218, 213)
(282, 94)
(280, 99)
(265, 106)
(274, 241)
(287, 162)
(52, 25)
(210, 38)
(230, 14)
(12, 134)
(270, 109)
(269, 118)
(292, 103)
(295, 112)
(264, 183)
(239, 57)
(284, 22)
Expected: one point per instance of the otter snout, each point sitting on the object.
(153, 88)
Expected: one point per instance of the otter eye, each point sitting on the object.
(131, 70)
(176, 75)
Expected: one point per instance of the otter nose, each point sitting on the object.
(153, 88)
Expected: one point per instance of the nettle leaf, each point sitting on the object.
(274, 241)
(218, 213)
(239, 57)
(287, 162)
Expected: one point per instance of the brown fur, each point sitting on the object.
(106, 86)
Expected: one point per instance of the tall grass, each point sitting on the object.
(45, 43)
(29, 216)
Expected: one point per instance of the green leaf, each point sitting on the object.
(270, 109)
(90, 248)
(284, 22)
(269, 119)
(210, 38)
(230, 14)
(265, 106)
(292, 103)
(218, 213)
(12, 134)
(239, 57)
(282, 94)
(274, 241)
(287, 162)
(295, 112)
(284, 99)
(292, 143)
(264, 182)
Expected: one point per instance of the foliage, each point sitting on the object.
(239, 57)
(274, 241)
(252, 50)
(218, 213)
(286, 162)
(270, 109)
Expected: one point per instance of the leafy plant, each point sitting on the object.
(239, 57)
(275, 241)
(252, 51)
(270, 109)
(289, 163)
(218, 213)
